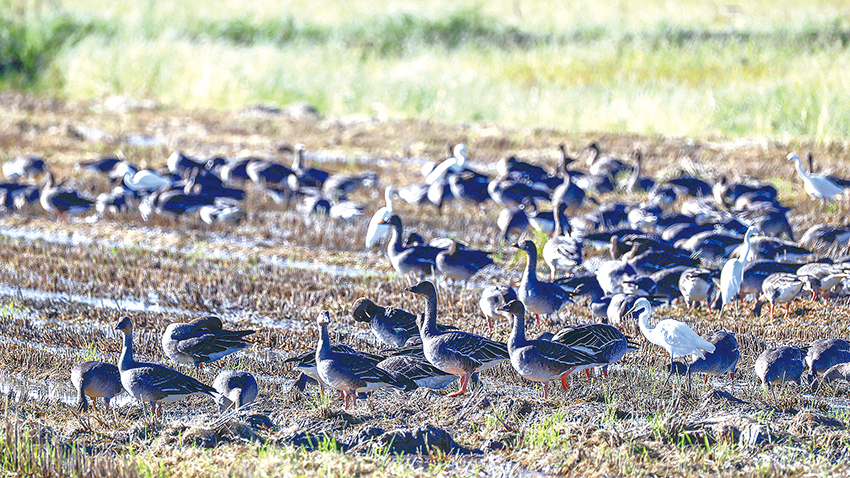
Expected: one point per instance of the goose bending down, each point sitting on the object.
(420, 259)
(348, 373)
(377, 230)
(732, 274)
(455, 352)
(202, 341)
(537, 296)
(779, 364)
(674, 336)
(541, 360)
(723, 360)
(239, 387)
(154, 383)
(95, 379)
(604, 341)
(817, 185)
(784, 287)
(461, 264)
(561, 252)
(493, 297)
(824, 353)
(61, 200)
(390, 325)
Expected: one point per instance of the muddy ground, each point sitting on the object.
(63, 287)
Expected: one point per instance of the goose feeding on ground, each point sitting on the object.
(154, 383)
(542, 360)
(202, 341)
(672, 335)
(824, 353)
(61, 200)
(390, 325)
(779, 364)
(348, 373)
(723, 360)
(817, 185)
(95, 379)
(456, 352)
(239, 387)
(24, 166)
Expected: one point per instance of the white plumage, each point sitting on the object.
(817, 185)
(733, 271)
(376, 230)
(456, 164)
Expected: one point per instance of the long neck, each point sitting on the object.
(429, 324)
(125, 361)
(388, 195)
(323, 349)
(517, 338)
(799, 165)
(746, 254)
(530, 268)
(559, 226)
(643, 325)
(395, 246)
(296, 161)
(635, 175)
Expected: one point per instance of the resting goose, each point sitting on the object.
(460, 264)
(202, 341)
(61, 200)
(239, 387)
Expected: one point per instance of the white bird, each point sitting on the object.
(817, 185)
(733, 272)
(456, 164)
(376, 230)
(145, 180)
(674, 336)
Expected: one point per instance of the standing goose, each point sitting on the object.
(239, 387)
(154, 383)
(829, 276)
(604, 341)
(784, 287)
(306, 362)
(723, 360)
(377, 230)
(538, 297)
(732, 274)
(420, 260)
(307, 177)
(568, 192)
(674, 336)
(201, 341)
(61, 200)
(696, 285)
(95, 379)
(461, 264)
(455, 352)
(561, 252)
(541, 360)
(348, 373)
(390, 325)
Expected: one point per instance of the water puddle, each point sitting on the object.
(130, 305)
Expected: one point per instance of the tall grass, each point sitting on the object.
(648, 67)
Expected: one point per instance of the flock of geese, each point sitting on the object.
(689, 240)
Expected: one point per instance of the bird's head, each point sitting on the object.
(324, 318)
(641, 307)
(792, 157)
(525, 245)
(125, 325)
(512, 308)
(364, 309)
(393, 220)
(425, 288)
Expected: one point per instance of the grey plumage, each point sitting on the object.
(202, 340)
(95, 379)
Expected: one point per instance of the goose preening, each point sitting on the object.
(202, 341)
(350, 374)
(674, 336)
(732, 274)
(541, 360)
(816, 185)
(95, 379)
(239, 387)
(723, 360)
(562, 252)
(390, 325)
(154, 383)
(456, 352)
(378, 228)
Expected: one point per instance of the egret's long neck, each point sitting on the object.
(125, 361)
(559, 225)
(388, 195)
(517, 338)
(530, 274)
(643, 324)
(428, 326)
(746, 256)
(323, 349)
(799, 165)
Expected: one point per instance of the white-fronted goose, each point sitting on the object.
(493, 297)
(95, 379)
(723, 360)
(62, 201)
(202, 341)
(538, 297)
(239, 387)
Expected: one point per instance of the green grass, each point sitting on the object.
(642, 67)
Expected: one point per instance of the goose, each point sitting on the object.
(696, 285)
(784, 287)
(538, 297)
(732, 273)
(541, 360)
(95, 379)
(816, 185)
(221, 212)
(568, 191)
(390, 325)
(512, 220)
(305, 362)
(339, 186)
(101, 165)
(307, 177)
(824, 353)
(24, 166)
(561, 252)
(235, 171)
(116, 201)
(456, 352)
(779, 364)
(179, 163)
(265, 172)
(461, 264)
(61, 200)
(348, 373)
(469, 186)
(377, 231)
(672, 335)
(828, 276)
(416, 372)
(154, 383)
(201, 341)
(823, 236)
(513, 167)
(239, 387)
(604, 341)
(611, 275)
(420, 260)
(599, 165)
(635, 182)
(493, 297)
(723, 360)
(841, 370)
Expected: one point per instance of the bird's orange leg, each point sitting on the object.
(464, 379)
(587, 373)
(545, 390)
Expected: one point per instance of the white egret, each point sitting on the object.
(732, 274)
(817, 185)
(376, 230)
(674, 336)
(456, 164)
